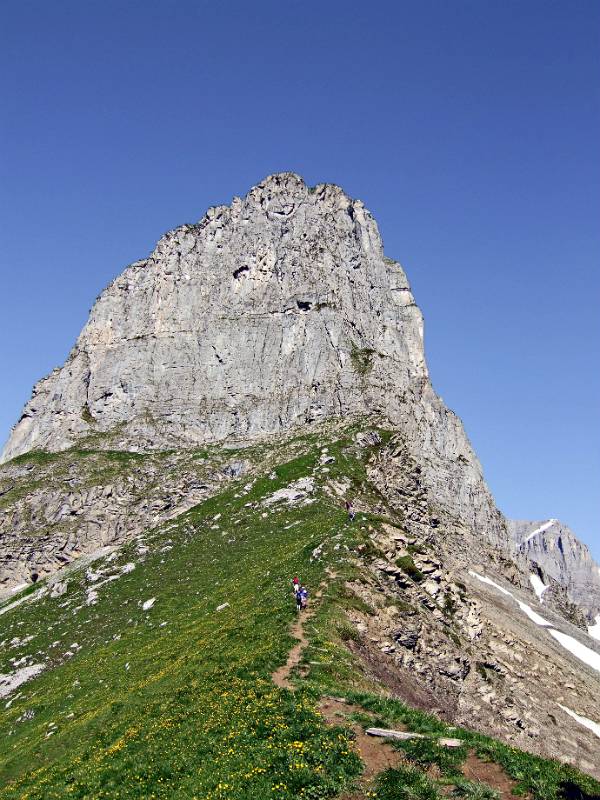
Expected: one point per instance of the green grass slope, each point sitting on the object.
(176, 701)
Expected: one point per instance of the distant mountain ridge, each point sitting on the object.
(563, 557)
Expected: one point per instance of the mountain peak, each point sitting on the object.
(268, 313)
(277, 311)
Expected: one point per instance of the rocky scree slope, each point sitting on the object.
(277, 311)
(58, 507)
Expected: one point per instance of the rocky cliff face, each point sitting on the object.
(561, 557)
(277, 311)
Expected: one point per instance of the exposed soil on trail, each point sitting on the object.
(376, 754)
(474, 769)
(281, 676)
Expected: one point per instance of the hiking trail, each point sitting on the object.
(377, 754)
(281, 676)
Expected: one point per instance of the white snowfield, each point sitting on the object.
(583, 653)
(580, 651)
(523, 606)
(587, 723)
(594, 630)
(543, 623)
(539, 587)
(541, 529)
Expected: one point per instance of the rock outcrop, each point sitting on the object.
(52, 513)
(277, 311)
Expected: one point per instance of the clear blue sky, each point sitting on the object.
(470, 129)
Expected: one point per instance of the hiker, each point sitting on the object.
(299, 599)
(303, 593)
(350, 510)
(296, 590)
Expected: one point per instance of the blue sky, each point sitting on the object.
(470, 129)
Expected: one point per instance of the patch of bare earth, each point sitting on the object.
(475, 769)
(281, 676)
(376, 754)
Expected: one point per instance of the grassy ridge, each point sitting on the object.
(186, 708)
(177, 701)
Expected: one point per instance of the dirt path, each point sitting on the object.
(474, 769)
(376, 754)
(281, 676)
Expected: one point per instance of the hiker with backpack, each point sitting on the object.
(296, 586)
(303, 593)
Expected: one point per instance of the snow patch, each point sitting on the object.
(587, 723)
(580, 651)
(539, 587)
(9, 683)
(594, 630)
(543, 623)
(533, 616)
(489, 581)
(541, 529)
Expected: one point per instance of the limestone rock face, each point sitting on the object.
(279, 310)
(562, 557)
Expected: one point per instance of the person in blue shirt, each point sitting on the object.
(303, 597)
